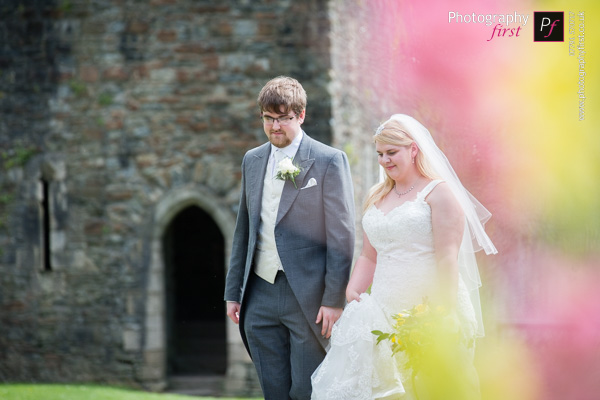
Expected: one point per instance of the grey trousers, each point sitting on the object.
(283, 347)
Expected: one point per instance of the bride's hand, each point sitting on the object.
(352, 295)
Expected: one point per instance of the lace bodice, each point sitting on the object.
(403, 239)
(406, 268)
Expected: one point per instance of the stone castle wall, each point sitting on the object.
(115, 116)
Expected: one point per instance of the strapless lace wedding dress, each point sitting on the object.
(356, 368)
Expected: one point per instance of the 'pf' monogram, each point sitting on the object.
(549, 26)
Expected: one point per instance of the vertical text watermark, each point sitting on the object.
(577, 42)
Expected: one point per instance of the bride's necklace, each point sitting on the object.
(403, 193)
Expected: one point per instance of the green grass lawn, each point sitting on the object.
(86, 392)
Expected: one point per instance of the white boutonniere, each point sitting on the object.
(287, 170)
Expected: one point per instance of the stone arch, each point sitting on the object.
(154, 343)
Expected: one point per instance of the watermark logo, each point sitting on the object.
(549, 26)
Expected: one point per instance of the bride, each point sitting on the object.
(421, 228)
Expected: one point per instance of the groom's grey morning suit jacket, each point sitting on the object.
(314, 231)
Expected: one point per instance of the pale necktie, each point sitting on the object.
(278, 155)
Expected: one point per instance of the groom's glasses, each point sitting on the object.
(283, 121)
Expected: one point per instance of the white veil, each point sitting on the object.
(476, 215)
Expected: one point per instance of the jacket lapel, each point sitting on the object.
(290, 192)
(255, 176)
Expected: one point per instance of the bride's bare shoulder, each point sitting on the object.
(441, 196)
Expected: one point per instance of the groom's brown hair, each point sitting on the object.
(282, 91)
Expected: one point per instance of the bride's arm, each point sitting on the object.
(362, 274)
(448, 224)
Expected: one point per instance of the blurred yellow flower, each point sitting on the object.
(416, 336)
(421, 332)
(421, 309)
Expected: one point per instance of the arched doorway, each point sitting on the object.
(194, 255)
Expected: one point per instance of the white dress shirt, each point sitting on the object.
(266, 260)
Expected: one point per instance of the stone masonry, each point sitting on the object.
(117, 115)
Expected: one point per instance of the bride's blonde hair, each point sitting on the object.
(396, 134)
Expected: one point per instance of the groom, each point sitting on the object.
(292, 247)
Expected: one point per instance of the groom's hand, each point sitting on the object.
(328, 315)
(233, 311)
